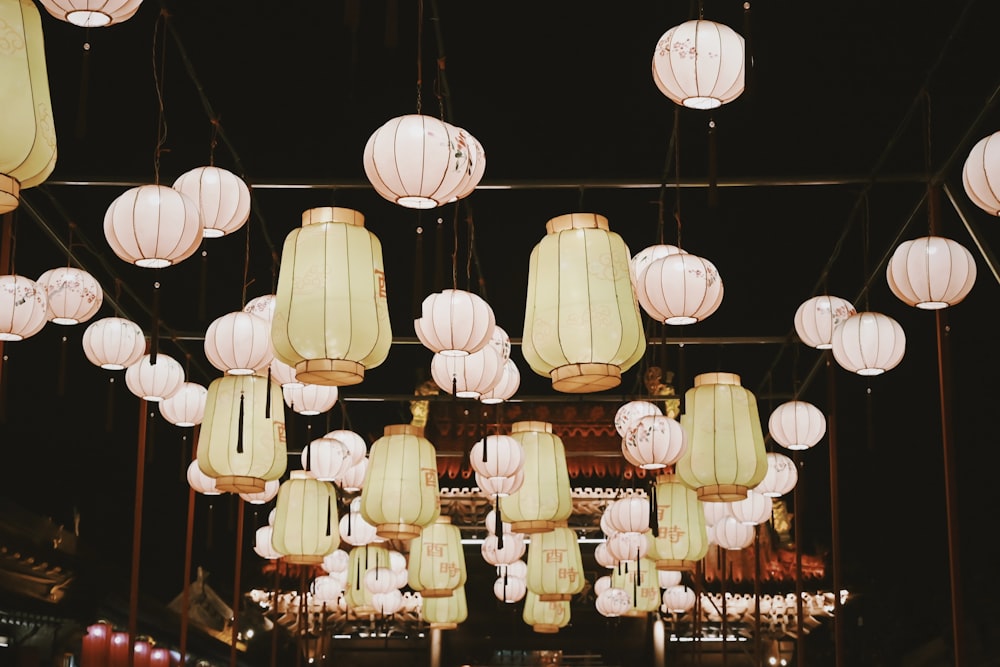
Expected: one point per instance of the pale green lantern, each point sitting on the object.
(437, 562)
(27, 130)
(555, 565)
(642, 584)
(545, 616)
(681, 539)
(331, 319)
(400, 494)
(545, 496)
(725, 456)
(360, 559)
(582, 325)
(306, 522)
(242, 440)
(447, 612)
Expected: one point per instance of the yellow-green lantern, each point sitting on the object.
(555, 565)
(447, 612)
(545, 496)
(360, 560)
(642, 584)
(545, 616)
(582, 326)
(437, 561)
(681, 538)
(306, 522)
(242, 439)
(725, 456)
(331, 319)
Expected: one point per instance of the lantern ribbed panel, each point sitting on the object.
(716, 512)
(753, 510)
(239, 343)
(113, 343)
(238, 404)
(354, 530)
(679, 599)
(201, 482)
(732, 534)
(545, 496)
(981, 174)
(400, 493)
(153, 226)
(682, 537)
(797, 425)
(331, 319)
(305, 520)
(470, 375)
(325, 588)
(668, 578)
(642, 259)
(582, 326)
(818, 317)
(387, 603)
(222, 197)
(931, 272)
(641, 583)
(506, 387)
(310, 399)
(445, 613)
(700, 64)
(23, 307)
(27, 130)
(353, 478)
(725, 454)
(497, 456)
(869, 343)
(544, 616)
(326, 458)
(510, 589)
(455, 322)
(187, 406)
(92, 13)
(499, 487)
(623, 547)
(555, 565)
(437, 562)
(628, 414)
(511, 551)
(72, 295)
(155, 382)
(629, 514)
(655, 441)
(360, 560)
(680, 289)
(781, 477)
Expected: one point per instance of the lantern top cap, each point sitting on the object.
(404, 429)
(570, 221)
(443, 519)
(298, 474)
(321, 214)
(531, 425)
(716, 378)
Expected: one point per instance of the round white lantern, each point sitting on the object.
(732, 534)
(239, 343)
(613, 602)
(113, 343)
(310, 399)
(23, 308)
(781, 477)
(678, 599)
(326, 458)
(716, 512)
(222, 197)
(356, 446)
(153, 226)
(603, 556)
(669, 578)
(336, 562)
(270, 490)
(496, 456)
(499, 487)
(869, 343)
(655, 441)
(628, 414)
(931, 272)
(262, 543)
(283, 374)
(700, 64)
(325, 588)
(262, 306)
(816, 319)
(187, 406)
(510, 589)
(510, 551)
(468, 376)
(797, 425)
(642, 259)
(72, 295)
(753, 510)
(477, 166)
(981, 174)
(506, 387)
(629, 515)
(201, 482)
(680, 289)
(155, 382)
(92, 13)
(455, 323)
(353, 478)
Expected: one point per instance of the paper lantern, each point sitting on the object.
(270, 491)
(222, 197)
(931, 272)
(869, 343)
(92, 13)
(546, 617)
(681, 536)
(499, 487)
(818, 317)
(700, 64)
(305, 520)
(641, 584)
(360, 561)
(357, 448)
(23, 308)
(437, 563)
(629, 514)
(155, 381)
(496, 456)
(325, 458)
(331, 320)
(27, 130)
(187, 406)
(628, 414)
(239, 343)
(668, 578)
(725, 454)
(309, 399)
(981, 174)
(455, 323)
(582, 326)
(153, 226)
(797, 425)
(680, 289)
(113, 343)
(354, 530)
(400, 493)
(781, 477)
(509, 589)
(477, 165)
(545, 497)
(353, 478)
(679, 599)
(201, 482)
(625, 547)
(242, 438)
(603, 556)
(388, 602)
(642, 259)
(716, 512)
(753, 510)
(655, 441)
(445, 613)
(613, 602)
(468, 376)
(506, 387)
(72, 295)
(337, 561)
(509, 551)
(732, 534)
(555, 565)
(325, 588)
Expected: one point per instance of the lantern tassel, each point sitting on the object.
(329, 515)
(498, 528)
(653, 524)
(357, 580)
(239, 427)
(267, 399)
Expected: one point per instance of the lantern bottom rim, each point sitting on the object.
(437, 593)
(545, 628)
(398, 531)
(10, 193)
(722, 493)
(302, 559)
(586, 378)
(532, 526)
(555, 597)
(675, 564)
(444, 626)
(239, 484)
(330, 372)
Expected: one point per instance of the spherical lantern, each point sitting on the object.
(153, 226)
(239, 343)
(72, 295)
(582, 326)
(603, 556)
(331, 319)
(379, 580)
(499, 487)
(506, 387)
(625, 547)
(679, 599)
(732, 534)
(818, 317)
(262, 306)
(510, 551)
(468, 376)
(981, 174)
(27, 131)
(241, 443)
(681, 537)
(555, 564)
(510, 589)
(668, 578)
(497, 456)
(545, 616)
(680, 289)
(325, 458)
(613, 602)
(437, 561)
(283, 374)
(491, 524)
(353, 478)
(388, 602)
(725, 454)
(477, 165)
(931, 272)
(187, 406)
(418, 161)
(445, 613)
(92, 13)
(700, 64)
(516, 569)
(113, 343)
(753, 510)
(305, 521)
(869, 343)
(262, 543)
(628, 414)
(222, 197)
(354, 530)
(310, 399)
(201, 482)
(455, 323)
(797, 425)
(545, 497)
(781, 477)
(716, 512)
(155, 381)
(336, 562)
(357, 448)
(270, 491)
(629, 514)
(23, 308)
(325, 588)
(642, 259)
(400, 494)
(655, 441)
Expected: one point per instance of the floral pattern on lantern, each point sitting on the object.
(981, 174)
(153, 226)
(781, 477)
(23, 308)
(655, 441)
(869, 343)
(818, 317)
(222, 197)
(73, 295)
(680, 289)
(700, 64)
(931, 272)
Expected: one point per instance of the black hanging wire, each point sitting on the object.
(154, 341)
(748, 68)
(713, 165)
(418, 273)
(677, 173)
(81, 109)
(203, 287)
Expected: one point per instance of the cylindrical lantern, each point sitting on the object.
(655, 441)
(468, 376)
(331, 320)
(545, 616)
(155, 381)
(555, 565)
(437, 563)
(27, 131)
(931, 272)
(725, 454)
(92, 13)
(681, 538)
(242, 439)
(869, 343)
(153, 226)
(582, 326)
(306, 520)
(72, 295)
(113, 343)
(445, 613)
(310, 399)
(400, 493)
(981, 174)
(23, 308)
(797, 425)
(545, 497)
(187, 406)
(818, 317)
(641, 584)
(700, 64)
(781, 477)
(222, 197)
(239, 343)
(680, 289)
(455, 323)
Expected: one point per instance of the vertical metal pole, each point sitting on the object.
(238, 567)
(756, 598)
(140, 472)
(435, 647)
(831, 431)
(800, 640)
(188, 544)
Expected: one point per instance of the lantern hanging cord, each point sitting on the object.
(661, 200)
(677, 172)
(420, 39)
(454, 250)
(158, 70)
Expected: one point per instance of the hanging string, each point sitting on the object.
(713, 179)
(420, 56)
(81, 109)
(154, 342)
(61, 382)
(865, 229)
(677, 172)
(473, 253)
(933, 191)
(159, 65)
(439, 256)
(653, 510)
(454, 250)
(309, 452)
(203, 287)
(418, 273)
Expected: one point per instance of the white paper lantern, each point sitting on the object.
(155, 382)
(753, 510)
(270, 490)
(628, 414)
(781, 477)
(679, 599)
(113, 343)
(629, 514)
(506, 387)
(981, 174)
(239, 343)
(510, 589)
(153, 226)
(655, 441)
(72, 295)
(326, 458)
(603, 556)
(613, 602)
(356, 446)
(818, 317)
(187, 406)
(222, 197)
(669, 578)
(468, 376)
(496, 456)
(23, 308)
(869, 343)
(387, 603)
(310, 399)
(700, 64)
(499, 487)
(326, 588)
(283, 374)
(455, 322)
(262, 543)
(797, 425)
(510, 551)
(732, 534)
(336, 561)
(353, 478)
(476, 169)
(716, 512)
(92, 13)
(642, 259)
(931, 272)
(680, 289)
(201, 482)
